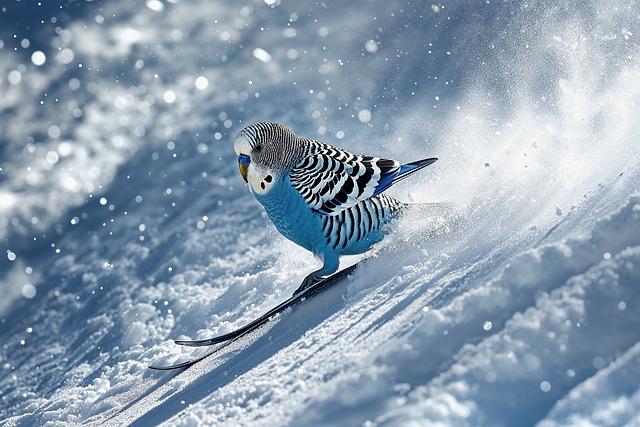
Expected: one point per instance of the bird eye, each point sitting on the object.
(258, 148)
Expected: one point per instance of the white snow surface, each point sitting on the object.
(124, 223)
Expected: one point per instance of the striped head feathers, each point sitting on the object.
(265, 152)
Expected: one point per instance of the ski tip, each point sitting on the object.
(195, 343)
(183, 365)
(157, 368)
(162, 368)
(187, 343)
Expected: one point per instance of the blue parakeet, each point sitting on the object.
(323, 198)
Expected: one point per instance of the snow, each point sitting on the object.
(124, 224)
(371, 46)
(38, 57)
(261, 55)
(364, 115)
(201, 82)
(608, 398)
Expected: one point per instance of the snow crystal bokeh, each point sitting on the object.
(124, 224)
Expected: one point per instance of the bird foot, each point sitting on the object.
(310, 280)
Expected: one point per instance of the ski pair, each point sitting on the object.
(230, 337)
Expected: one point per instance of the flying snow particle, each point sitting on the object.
(487, 325)
(599, 362)
(545, 386)
(53, 131)
(14, 77)
(103, 201)
(176, 35)
(52, 157)
(371, 46)
(435, 8)
(340, 134)
(364, 115)
(155, 5)
(38, 57)
(11, 255)
(65, 36)
(202, 83)
(169, 96)
(292, 54)
(64, 149)
(65, 56)
(74, 84)
(25, 43)
(323, 31)
(261, 55)
(28, 291)
(7, 199)
(69, 183)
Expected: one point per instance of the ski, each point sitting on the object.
(230, 337)
(185, 364)
(269, 314)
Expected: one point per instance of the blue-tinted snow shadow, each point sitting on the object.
(290, 327)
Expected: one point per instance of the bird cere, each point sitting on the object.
(322, 198)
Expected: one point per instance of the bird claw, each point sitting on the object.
(310, 280)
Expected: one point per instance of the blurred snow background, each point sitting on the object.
(123, 223)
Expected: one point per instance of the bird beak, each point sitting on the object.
(243, 164)
(243, 171)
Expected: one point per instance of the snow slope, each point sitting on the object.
(124, 224)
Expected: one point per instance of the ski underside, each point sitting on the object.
(230, 337)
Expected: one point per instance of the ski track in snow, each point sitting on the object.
(125, 224)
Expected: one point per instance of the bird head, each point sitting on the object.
(266, 151)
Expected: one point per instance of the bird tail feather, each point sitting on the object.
(405, 171)
(413, 167)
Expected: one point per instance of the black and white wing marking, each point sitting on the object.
(332, 180)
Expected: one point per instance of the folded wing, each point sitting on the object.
(332, 180)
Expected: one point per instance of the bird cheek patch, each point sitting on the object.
(261, 181)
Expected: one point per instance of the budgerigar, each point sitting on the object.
(325, 199)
